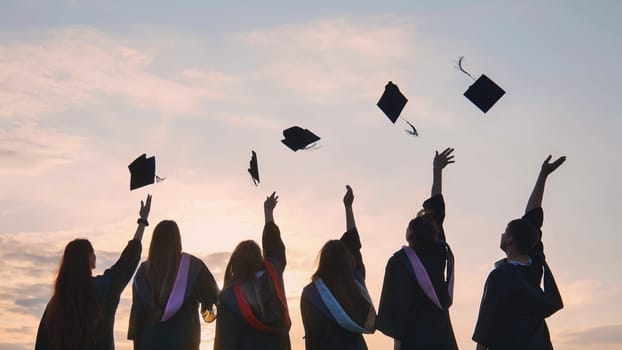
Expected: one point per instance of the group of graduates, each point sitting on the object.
(173, 290)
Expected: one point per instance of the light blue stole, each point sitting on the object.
(335, 309)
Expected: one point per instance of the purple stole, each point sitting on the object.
(176, 298)
(423, 279)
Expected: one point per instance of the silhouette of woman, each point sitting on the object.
(166, 294)
(252, 309)
(335, 306)
(417, 291)
(80, 315)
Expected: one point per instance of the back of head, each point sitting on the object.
(336, 268)
(244, 263)
(163, 260)
(524, 235)
(336, 263)
(73, 311)
(422, 231)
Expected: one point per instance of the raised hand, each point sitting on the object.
(270, 203)
(548, 167)
(348, 198)
(145, 208)
(442, 159)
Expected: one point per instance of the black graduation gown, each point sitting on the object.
(405, 313)
(108, 288)
(322, 332)
(183, 330)
(514, 307)
(232, 331)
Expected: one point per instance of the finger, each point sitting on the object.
(548, 158)
(451, 162)
(142, 205)
(149, 200)
(450, 157)
(448, 151)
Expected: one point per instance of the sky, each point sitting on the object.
(86, 87)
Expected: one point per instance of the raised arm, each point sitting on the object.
(440, 161)
(535, 199)
(273, 246)
(121, 272)
(143, 216)
(348, 199)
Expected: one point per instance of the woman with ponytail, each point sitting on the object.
(252, 308)
(80, 314)
(335, 306)
(166, 294)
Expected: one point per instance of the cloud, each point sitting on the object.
(601, 335)
(27, 148)
(334, 56)
(71, 67)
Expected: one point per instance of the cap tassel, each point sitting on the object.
(462, 69)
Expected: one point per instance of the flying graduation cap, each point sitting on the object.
(297, 138)
(254, 169)
(142, 172)
(484, 92)
(392, 103)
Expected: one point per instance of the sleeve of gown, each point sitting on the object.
(436, 204)
(535, 217)
(207, 287)
(392, 315)
(353, 242)
(273, 246)
(312, 320)
(137, 315)
(492, 304)
(121, 272)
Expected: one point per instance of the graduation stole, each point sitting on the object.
(246, 310)
(176, 298)
(335, 309)
(423, 279)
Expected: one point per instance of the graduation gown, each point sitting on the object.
(405, 312)
(183, 330)
(322, 332)
(108, 289)
(514, 306)
(233, 330)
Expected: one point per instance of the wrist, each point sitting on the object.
(142, 221)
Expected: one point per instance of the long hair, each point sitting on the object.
(243, 265)
(73, 312)
(163, 261)
(336, 268)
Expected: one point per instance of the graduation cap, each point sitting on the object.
(392, 102)
(297, 138)
(484, 92)
(254, 170)
(142, 172)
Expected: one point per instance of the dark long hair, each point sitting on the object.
(73, 312)
(336, 268)
(244, 263)
(163, 261)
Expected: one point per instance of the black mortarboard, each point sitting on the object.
(484, 93)
(392, 102)
(254, 169)
(298, 138)
(142, 171)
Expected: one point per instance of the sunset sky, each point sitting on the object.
(88, 86)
